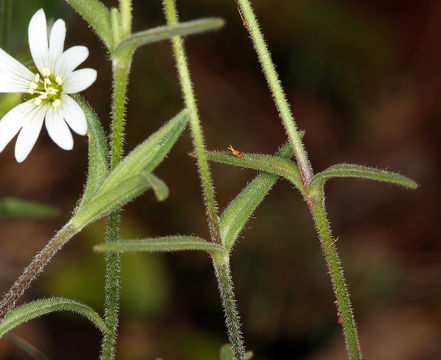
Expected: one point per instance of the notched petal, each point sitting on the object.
(79, 80)
(38, 42)
(58, 129)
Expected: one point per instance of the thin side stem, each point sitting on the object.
(195, 125)
(345, 312)
(232, 319)
(121, 69)
(36, 267)
(6, 17)
(276, 89)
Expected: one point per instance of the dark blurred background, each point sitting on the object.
(364, 81)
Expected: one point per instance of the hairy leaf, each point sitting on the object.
(98, 164)
(238, 212)
(13, 207)
(164, 244)
(110, 199)
(167, 32)
(361, 172)
(96, 15)
(41, 307)
(149, 154)
(272, 164)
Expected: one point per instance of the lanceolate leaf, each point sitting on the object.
(41, 307)
(98, 164)
(98, 16)
(164, 244)
(148, 155)
(238, 212)
(272, 164)
(361, 172)
(13, 207)
(167, 32)
(110, 199)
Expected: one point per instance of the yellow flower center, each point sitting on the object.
(46, 88)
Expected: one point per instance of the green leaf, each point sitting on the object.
(361, 172)
(164, 244)
(148, 155)
(97, 15)
(98, 164)
(25, 346)
(109, 199)
(13, 207)
(238, 212)
(167, 32)
(226, 353)
(41, 307)
(272, 164)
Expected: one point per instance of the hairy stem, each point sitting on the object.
(232, 319)
(276, 89)
(222, 265)
(195, 125)
(121, 69)
(345, 313)
(36, 267)
(126, 17)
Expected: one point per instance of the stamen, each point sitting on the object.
(47, 81)
(37, 101)
(43, 96)
(33, 86)
(37, 78)
(59, 80)
(56, 103)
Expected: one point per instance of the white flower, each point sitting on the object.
(45, 88)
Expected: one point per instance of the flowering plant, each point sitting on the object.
(47, 87)
(50, 93)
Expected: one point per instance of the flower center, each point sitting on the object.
(46, 88)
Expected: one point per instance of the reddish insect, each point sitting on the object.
(235, 152)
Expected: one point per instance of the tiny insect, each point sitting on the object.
(244, 23)
(235, 152)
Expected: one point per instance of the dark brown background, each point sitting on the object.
(364, 81)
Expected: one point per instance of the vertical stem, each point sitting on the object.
(126, 17)
(120, 69)
(232, 319)
(6, 15)
(196, 130)
(276, 89)
(221, 264)
(346, 315)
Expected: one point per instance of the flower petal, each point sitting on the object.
(13, 121)
(29, 134)
(14, 77)
(56, 41)
(74, 115)
(37, 35)
(79, 80)
(70, 59)
(58, 129)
